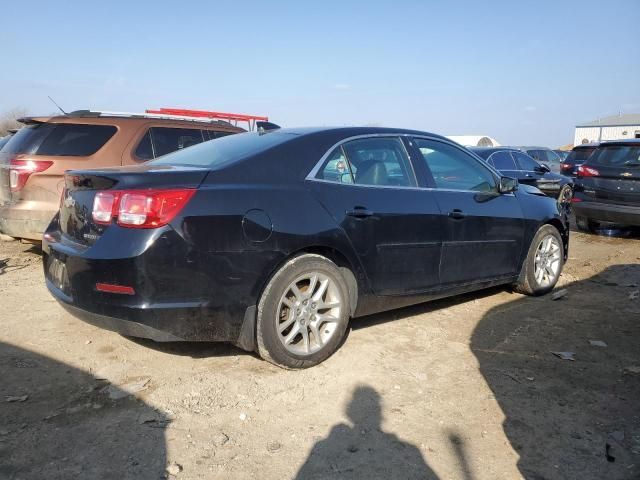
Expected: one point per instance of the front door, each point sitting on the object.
(483, 229)
(369, 187)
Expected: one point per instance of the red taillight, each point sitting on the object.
(565, 166)
(575, 200)
(139, 208)
(21, 170)
(110, 288)
(584, 171)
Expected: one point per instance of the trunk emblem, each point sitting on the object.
(627, 174)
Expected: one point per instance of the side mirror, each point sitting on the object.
(543, 168)
(507, 185)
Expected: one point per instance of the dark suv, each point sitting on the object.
(608, 186)
(577, 157)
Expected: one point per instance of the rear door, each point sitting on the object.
(369, 187)
(483, 230)
(614, 175)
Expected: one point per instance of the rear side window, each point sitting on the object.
(167, 140)
(379, 161)
(616, 156)
(213, 134)
(502, 161)
(67, 139)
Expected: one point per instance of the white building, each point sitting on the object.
(474, 140)
(609, 128)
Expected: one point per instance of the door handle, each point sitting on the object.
(359, 212)
(456, 214)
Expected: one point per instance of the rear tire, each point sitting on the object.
(303, 313)
(543, 265)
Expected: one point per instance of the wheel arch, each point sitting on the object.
(247, 337)
(564, 233)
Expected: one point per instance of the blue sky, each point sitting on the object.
(523, 72)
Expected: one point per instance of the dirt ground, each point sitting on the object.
(465, 388)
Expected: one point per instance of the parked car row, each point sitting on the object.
(274, 240)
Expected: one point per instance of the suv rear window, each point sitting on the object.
(616, 156)
(580, 154)
(68, 139)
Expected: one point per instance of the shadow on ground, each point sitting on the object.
(569, 419)
(57, 422)
(362, 449)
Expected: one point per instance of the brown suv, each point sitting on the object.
(33, 161)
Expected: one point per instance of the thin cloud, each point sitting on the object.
(530, 108)
(342, 86)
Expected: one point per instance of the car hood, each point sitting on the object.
(530, 189)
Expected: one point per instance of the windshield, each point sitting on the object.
(580, 154)
(222, 152)
(616, 156)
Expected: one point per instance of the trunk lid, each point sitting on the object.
(76, 220)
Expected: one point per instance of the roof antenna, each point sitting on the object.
(59, 107)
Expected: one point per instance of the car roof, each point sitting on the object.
(354, 131)
(624, 141)
(586, 145)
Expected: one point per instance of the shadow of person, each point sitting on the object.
(569, 419)
(58, 422)
(364, 450)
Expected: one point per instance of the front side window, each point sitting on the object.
(452, 169)
(502, 161)
(526, 162)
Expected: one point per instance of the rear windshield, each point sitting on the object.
(225, 151)
(69, 139)
(616, 156)
(580, 154)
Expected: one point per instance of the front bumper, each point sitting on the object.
(607, 212)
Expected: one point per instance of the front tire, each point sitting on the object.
(303, 313)
(543, 265)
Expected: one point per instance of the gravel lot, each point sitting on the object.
(465, 388)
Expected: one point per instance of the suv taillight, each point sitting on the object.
(139, 208)
(584, 171)
(565, 166)
(21, 170)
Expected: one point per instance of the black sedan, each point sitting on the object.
(514, 163)
(273, 241)
(608, 186)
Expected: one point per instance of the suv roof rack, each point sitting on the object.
(148, 114)
(226, 117)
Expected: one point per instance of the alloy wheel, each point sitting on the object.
(547, 261)
(308, 313)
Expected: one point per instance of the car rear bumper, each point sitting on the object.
(175, 298)
(23, 223)
(606, 212)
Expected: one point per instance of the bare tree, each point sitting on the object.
(8, 120)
